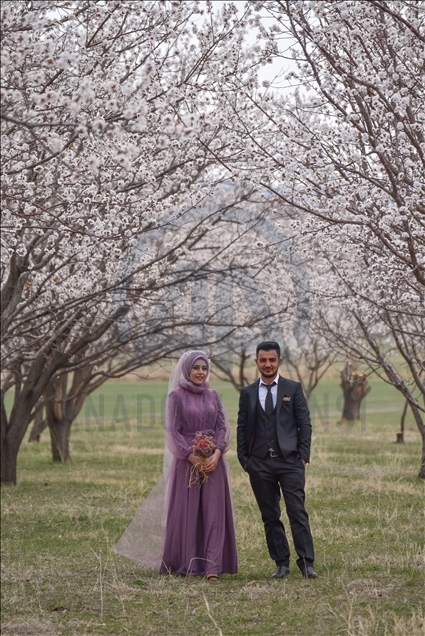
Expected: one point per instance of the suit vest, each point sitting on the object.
(265, 433)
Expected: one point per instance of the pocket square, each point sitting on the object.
(286, 399)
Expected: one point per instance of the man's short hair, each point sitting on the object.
(268, 345)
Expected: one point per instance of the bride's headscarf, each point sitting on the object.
(180, 377)
(184, 367)
(143, 540)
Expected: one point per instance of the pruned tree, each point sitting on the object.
(355, 387)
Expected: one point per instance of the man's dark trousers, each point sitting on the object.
(268, 476)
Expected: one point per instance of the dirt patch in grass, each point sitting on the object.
(31, 628)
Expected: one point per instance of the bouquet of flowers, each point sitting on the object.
(203, 447)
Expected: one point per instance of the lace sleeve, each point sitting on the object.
(222, 436)
(176, 442)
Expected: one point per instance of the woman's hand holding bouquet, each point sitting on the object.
(204, 457)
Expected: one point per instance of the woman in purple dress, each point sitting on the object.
(186, 524)
(200, 532)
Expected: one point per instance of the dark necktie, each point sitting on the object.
(268, 405)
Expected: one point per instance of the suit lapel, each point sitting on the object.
(253, 395)
(280, 393)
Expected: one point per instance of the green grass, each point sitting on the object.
(59, 524)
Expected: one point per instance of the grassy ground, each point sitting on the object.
(59, 524)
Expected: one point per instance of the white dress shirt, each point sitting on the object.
(262, 391)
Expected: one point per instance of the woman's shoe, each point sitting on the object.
(212, 577)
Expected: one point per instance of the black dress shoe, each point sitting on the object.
(309, 573)
(280, 572)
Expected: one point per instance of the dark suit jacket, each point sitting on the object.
(293, 424)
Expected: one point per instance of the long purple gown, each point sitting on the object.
(200, 532)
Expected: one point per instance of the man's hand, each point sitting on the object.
(304, 462)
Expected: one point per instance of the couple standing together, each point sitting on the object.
(273, 444)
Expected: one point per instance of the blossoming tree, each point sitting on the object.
(109, 124)
(347, 151)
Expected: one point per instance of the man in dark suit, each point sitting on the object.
(274, 436)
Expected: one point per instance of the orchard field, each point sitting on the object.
(60, 523)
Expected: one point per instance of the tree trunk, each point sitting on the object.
(38, 427)
(400, 434)
(60, 432)
(355, 387)
(12, 433)
(9, 460)
(58, 419)
(421, 473)
(421, 428)
(62, 407)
